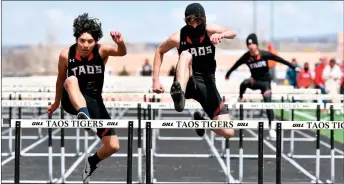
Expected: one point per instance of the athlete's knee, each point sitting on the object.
(185, 57)
(113, 146)
(225, 133)
(267, 96)
(228, 133)
(245, 83)
(71, 82)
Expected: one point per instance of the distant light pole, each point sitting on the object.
(254, 16)
(272, 21)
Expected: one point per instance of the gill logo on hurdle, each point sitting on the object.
(309, 125)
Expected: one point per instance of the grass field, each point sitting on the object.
(304, 115)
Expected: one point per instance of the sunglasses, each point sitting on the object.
(192, 18)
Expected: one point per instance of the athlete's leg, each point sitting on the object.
(267, 98)
(183, 70)
(183, 73)
(107, 135)
(110, 145)
(247, 83)
(214, 106)
(226, 133)
(75, 96)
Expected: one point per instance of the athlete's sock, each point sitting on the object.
(94, 160)
(198, 116)
(84, 110)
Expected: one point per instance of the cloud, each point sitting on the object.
(17, 17)
(59, 17)
(58, 25)
(161, 19)
(338, 6)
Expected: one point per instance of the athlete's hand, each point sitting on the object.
(51, 108)
(157, 87)
(116, 36)
(227, 76)
(297, 69)
(216, 38)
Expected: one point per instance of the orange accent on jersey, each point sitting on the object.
(201, 39)
(188, 40)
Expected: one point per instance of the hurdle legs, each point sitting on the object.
(62, 149)
(17, 154)
(241, 150)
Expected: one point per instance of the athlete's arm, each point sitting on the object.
(213, 28)
(170, 43)
(110, 50)
(62, 75)
(236, 65)
(270, 56)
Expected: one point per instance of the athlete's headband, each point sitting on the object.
(195, 9)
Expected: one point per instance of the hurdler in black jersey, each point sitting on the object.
(257, 61)
(89, 71)
(258, 64)
(80, 81)
(202, 50)
(195, 71)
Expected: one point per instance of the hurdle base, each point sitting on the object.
(313, 181)
(232, 156)
(30, 181)
(103, 182)
(329, 182)
(314, 156)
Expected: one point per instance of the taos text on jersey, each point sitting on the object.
(87, 69)
(258, 64)
(200, 51)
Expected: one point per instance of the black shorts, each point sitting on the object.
(263, 86)
(207, 95)
(95, 107)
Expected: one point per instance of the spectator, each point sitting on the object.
(172, 71)
(332, 75)
(146, 68)
(318, 79)
(304, 79)
(124, 72)
(272, 63)
(291, 75)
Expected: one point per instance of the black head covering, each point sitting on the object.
(198, 11)
(195, 9)
(252, 38)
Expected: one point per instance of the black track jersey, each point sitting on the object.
(259, 64)
(89, 71)
(202, 51)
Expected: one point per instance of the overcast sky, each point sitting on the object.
(29, 22)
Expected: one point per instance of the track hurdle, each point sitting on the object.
(155, 104)
(282, 106)
(176, 124)
(48, 123)
(50, 154)
(303, 125)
